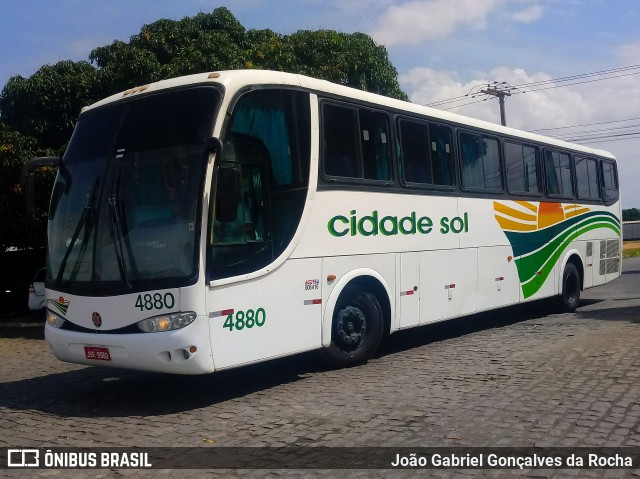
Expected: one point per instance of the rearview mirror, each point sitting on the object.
(28, 178)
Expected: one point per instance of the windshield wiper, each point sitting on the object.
(87, 216)
(116, 231)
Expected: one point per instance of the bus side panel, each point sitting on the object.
(448, 284)
(498, 282)
(544, 286)
(410, 291)
(267, 317)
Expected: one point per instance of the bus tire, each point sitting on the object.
(356, 329)
(570, 294)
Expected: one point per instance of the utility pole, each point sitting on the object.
(500, 94)
(499, 90)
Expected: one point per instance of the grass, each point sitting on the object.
(630, 249)
(630, 253)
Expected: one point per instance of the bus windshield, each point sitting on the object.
(126, 202)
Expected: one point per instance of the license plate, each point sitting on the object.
(100, 354)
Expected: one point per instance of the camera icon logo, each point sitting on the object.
(23, 458)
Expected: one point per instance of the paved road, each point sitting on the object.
(521, 377)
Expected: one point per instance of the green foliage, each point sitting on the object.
(632, 214)
(16, 228)
(37, 114)
(217, 41)
(46, 105)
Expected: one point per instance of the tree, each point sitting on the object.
(632, 214)
(16, 228)
(217, 41)
(46, 105)
(37, 114)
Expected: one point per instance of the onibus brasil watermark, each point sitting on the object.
(311, 457)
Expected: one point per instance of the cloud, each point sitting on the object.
(529, 15)
(416, 21)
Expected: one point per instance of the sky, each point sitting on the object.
(442, 49)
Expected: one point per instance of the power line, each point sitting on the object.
(597, 130)
(586, 124)
(582, 75)
(554, 83)
(607, 138)
(613, 130)
(465, 104)
(582, 82)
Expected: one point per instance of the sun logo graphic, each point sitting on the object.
(540, 232)
(59, 304)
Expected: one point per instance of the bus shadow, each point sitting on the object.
(105, 392)
(630, 314)
(453, 328)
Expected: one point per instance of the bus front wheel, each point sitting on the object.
(570, 294)
(356, 329)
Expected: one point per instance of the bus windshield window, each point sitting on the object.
(136, 170)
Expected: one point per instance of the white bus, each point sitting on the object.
(221, 219)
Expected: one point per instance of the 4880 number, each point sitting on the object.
(149, 302)
(248, 319)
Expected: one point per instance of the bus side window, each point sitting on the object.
(587, 178)
(521, 162)
(376, 151)
(415, 153)
(268, 142)
(480, 162)
(557, 168)
(609, 181)
(340, 149)
(356, 143)
(441, 155)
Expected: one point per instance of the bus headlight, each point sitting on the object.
(167, 322)
(54, 320)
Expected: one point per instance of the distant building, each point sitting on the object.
(631, 230)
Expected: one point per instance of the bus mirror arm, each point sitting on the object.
(28, 179)
(213, 145)
(227, 194)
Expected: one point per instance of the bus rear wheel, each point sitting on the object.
(570, 294)
(356, 329)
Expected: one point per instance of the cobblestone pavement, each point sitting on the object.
(521, 377)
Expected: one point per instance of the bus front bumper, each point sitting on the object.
(183, 351)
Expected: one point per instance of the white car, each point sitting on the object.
(36, 291)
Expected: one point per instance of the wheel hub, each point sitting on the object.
(351, 327)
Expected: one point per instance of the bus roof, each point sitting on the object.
(236, 79)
